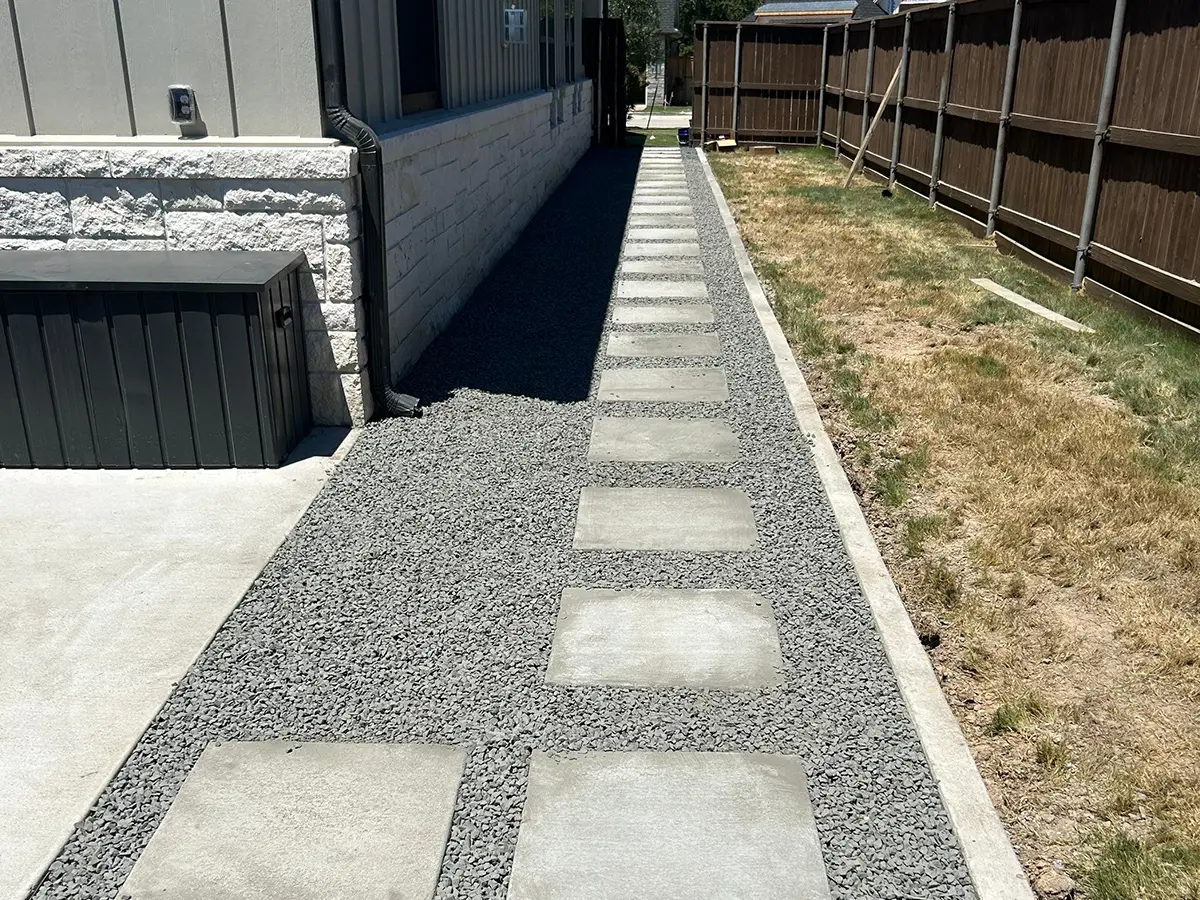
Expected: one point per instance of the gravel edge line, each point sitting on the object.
(991, 861)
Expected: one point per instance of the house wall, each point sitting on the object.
(218, 197)
(459, 190)
(102, 67)
(477, 66)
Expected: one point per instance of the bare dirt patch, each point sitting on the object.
(1037, 497)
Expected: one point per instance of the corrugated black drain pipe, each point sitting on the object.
(352, 130)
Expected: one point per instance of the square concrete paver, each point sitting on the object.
(663, 346)
(651, 637)
(688, 235)
(635, 250)
(677, 314)
(641, 439)
(667, 826)
(688, 290)
(299, 821)
(662, 267)
(646, 221)
(700, 520)
(660, 209)
(676, 385)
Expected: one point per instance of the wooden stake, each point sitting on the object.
(862, 151)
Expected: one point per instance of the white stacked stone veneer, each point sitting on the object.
(459, 189)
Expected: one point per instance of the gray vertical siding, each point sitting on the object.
(73, 61)
(190, 45)
(102, 66)
(14, 112)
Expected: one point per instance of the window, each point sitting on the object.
(569, 38)
(420, 67)
(514, 25)
(546, 30)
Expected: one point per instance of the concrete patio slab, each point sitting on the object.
(662, 267)
(697, 520)
(643, 439)
(683, 235)
(666, 198)
(675, 385)
(634, 249)
(114, 582)
(654, 637)
(652, 290)
(663, 346)
(667, 826)
(292, 821)
(678, 314)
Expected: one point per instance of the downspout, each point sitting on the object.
(345, 126)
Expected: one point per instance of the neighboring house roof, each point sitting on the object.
(668, 16)
(817, 12)
(820, 12)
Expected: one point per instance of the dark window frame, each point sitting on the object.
(420, 55)
(546, 43)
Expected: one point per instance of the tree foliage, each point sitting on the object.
(641, 30)
(693, 11)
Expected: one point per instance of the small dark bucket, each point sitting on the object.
(684, 136)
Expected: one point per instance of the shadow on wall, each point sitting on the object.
(532, 328)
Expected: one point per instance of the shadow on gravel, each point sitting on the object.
(532, 327)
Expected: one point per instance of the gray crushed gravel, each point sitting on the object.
(416, 599)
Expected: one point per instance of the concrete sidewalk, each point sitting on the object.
(113, 582)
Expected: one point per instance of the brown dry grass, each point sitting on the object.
(1037, 496)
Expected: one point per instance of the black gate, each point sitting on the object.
(604, 62)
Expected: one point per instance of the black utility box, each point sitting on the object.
(150, 360)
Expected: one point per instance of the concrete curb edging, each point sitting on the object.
(992, 863)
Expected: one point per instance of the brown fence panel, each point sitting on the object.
(1105, 187)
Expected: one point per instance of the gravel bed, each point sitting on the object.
(416, 599)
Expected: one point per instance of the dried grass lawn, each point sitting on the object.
(1036, 493)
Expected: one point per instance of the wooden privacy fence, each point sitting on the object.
(1070, 128)
(757, 82)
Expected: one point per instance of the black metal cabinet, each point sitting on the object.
(149, 360)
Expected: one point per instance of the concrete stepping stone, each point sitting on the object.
(675, 385)
(663, 346)
(634, 249)
(678, 209)
(287, 820)
(663, 200)
(662, 267)
(642, 439)
(677, 314)
(667, 826)
(641, 220)
(697, 520)
(650, 637)
(686, 235)
(654, 289)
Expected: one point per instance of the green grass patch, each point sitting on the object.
(1126, 868)
(917, 530)
(654, 137)
(1015, 712)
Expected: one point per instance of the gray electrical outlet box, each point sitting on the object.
(183, 104)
